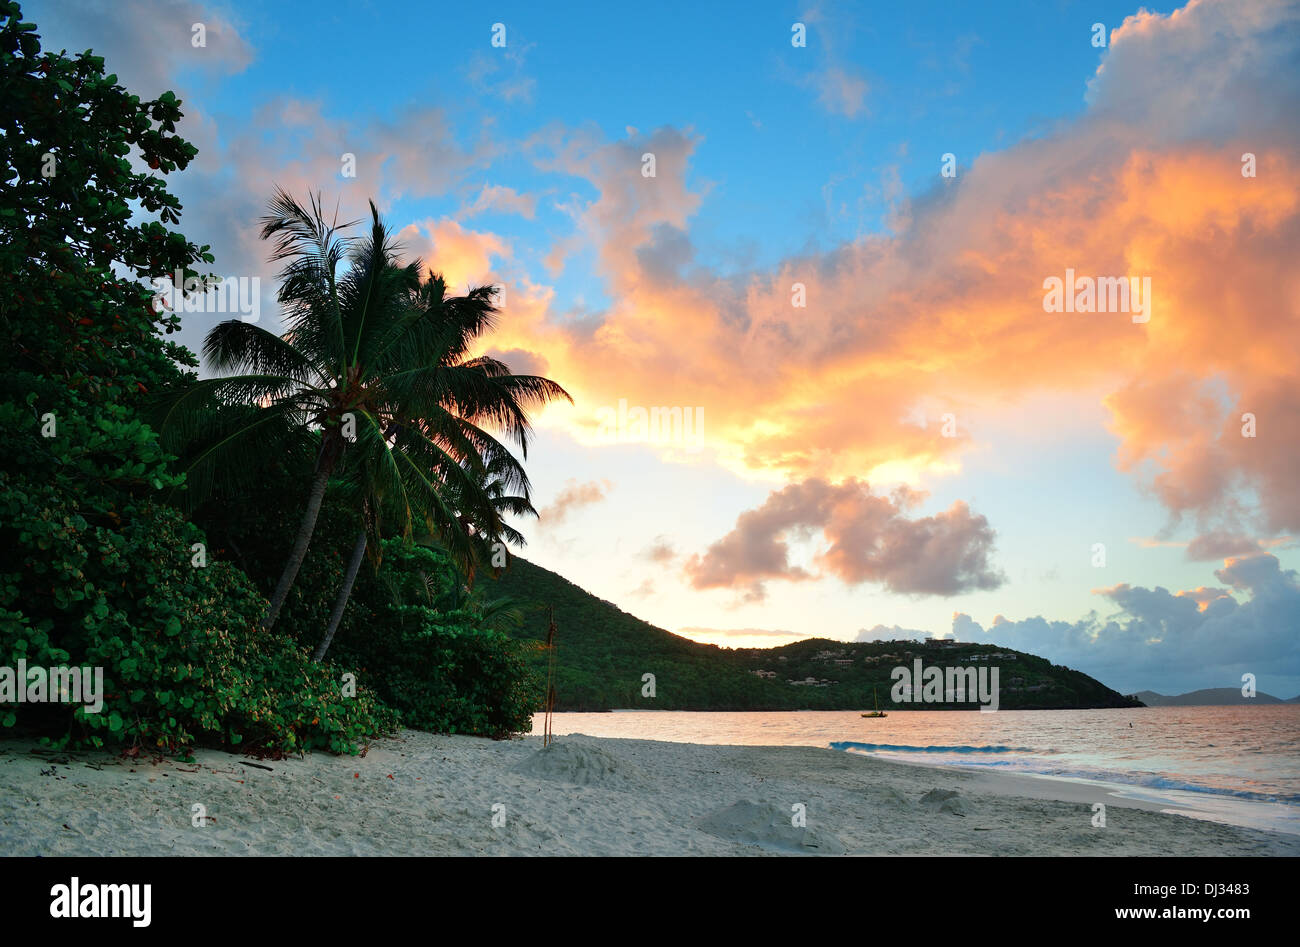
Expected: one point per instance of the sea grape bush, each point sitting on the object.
(184, 659)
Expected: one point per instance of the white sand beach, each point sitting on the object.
(421, 794)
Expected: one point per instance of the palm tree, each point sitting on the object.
(492, 476)
(376, 358)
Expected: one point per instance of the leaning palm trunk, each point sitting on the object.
(354, 566)
(299, 551)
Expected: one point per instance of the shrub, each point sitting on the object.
(183, 656)
(426, 647)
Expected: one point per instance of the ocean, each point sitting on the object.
(1239, 765)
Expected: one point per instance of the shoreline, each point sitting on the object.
(420, 793)
(1190, 804)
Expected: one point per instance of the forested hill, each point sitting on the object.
(603, 654)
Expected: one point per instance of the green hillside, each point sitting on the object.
(604, 652)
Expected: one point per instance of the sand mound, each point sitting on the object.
(889, 797)
(769, 827)
(946, 800)
(581, 764)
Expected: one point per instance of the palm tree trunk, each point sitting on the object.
(354, 566)
(308, 526)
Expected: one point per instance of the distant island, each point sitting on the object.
(603, 654)
(1210, 697)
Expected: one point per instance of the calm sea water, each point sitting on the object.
(1231, 764)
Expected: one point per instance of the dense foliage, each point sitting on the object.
(183, 656)
(431, 651)
(94, 569)
(429, 646)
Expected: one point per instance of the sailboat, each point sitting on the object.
(877, 712)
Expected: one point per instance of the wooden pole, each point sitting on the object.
(547, 736)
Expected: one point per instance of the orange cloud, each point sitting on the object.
(946, 317)
(1204, 596)
(464, 257)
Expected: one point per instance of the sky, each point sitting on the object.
(827, 234)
